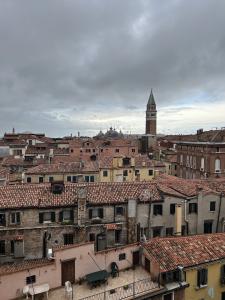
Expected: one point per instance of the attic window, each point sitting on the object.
(57, 187)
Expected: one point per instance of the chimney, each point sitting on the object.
(178, 219)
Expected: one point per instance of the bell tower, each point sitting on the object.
(151, 116)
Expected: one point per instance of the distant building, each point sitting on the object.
(201, 155)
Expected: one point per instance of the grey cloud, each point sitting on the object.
(94, 56)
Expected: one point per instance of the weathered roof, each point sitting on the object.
(186, 251)
(9, 268)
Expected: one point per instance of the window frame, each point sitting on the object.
(156, 210)
(212, 203)
(17, 217)
(202, 277)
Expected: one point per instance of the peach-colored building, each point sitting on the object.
(82, 258)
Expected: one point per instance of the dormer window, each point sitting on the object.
(57, 187)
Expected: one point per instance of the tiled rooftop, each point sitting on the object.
(24, 265)
(186, 251)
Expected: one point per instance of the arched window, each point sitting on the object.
(217, 165)
(202, 163)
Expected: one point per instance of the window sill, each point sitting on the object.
(201, 287)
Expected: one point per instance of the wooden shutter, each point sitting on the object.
(100, 213)
(71, 215)
(199, 278)
(52, 216)
(41, 217)
(90, 213)
(18, 217)
(60, 216)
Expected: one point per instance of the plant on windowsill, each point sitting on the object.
(67, 222)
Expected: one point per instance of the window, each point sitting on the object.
(150, 172)
(117, 150)
(156, 231)
(137, 172)
(181, 159)
(51, 179)
(172, 208)
(68, 238)
(71, 150)
(74, 178)
(157, 209)
(119, 210)
(47, 217)
(105, 173)
(217, 165)
(30, 279)
(28, 179)
(125, 173)
(202, 278)
(92, 178)
(122, 256)
(68, 179)
(133, 150)
(202, 163)
(88, 150)
(86, 178)
(193, 208)
(2, 247)
(96, 213)
(212, 205)
(66, 215)
(91, 237)
(41, 179)
(2, 219)
(208, 226)
(15, 218)
(117, 235)
(169, 231)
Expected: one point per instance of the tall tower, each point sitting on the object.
(151, 116)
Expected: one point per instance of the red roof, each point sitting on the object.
(186, 251)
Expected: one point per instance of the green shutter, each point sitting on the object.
(71, 216)
(41, 217)
(60, 216)
(52, 216)
(18, 217)
(100, 213)
(222, 274)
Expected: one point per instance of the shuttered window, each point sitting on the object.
(202, 277)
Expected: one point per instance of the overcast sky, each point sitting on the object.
(69, 66)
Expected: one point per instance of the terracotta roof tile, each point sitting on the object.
(9, 268)
(186, 251)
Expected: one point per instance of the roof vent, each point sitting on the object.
(57, 187)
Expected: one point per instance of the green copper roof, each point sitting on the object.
(151, 100)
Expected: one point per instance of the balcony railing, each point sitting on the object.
(126, 291)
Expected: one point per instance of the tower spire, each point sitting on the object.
(151, 115)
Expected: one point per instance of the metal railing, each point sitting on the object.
(126, 291)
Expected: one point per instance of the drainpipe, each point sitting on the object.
(218, 216)
(149, 217)
(178, 219)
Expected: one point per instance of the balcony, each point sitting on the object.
(129, 285)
